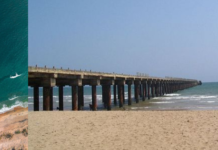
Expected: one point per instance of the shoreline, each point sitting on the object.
(14, 128)
(11, 108)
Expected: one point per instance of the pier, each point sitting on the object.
(145, 87)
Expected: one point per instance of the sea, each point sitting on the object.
(13, 54)
(201, 97)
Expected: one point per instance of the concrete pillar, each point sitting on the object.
(143, 91)
(152, 89)
(163, 88)
(123, 93)
(157, 89)
(118, 86)
(168, 88)
(129, 95)
(46, 98)
(115, 91)
(120, 91)
(74, 97)
(140, 90)
(102, 89)
(51, 98)
(149, 86)
(108, 90)
(94, 99)
(136, 92)
(82, 93)
(36, 98)
(80, 97)
(160, 89)
(104, 96)
(61, 99)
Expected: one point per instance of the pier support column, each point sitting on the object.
(135, 88)
(163, 88)
(80, 97)
(115, 97)
(46, 98)
(168, 88)
(51, 98)
(118, 88)
(120, 91)
(94, 99)
(160, 89)
(143, 91)
(136, 91)
(123, 93)
(157, 89)
(61, 99)
(152, 89)
(140, 90)
(129, 95)
(36, 98)
(108, 94)
(104, 96)
(149, 86)
(74, 97)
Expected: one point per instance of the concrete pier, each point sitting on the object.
(144, 87)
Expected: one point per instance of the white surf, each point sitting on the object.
(10, 99)
(17, 75)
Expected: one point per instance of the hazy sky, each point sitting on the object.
(177, 38)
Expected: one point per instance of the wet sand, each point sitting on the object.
(11, 121)
(118, 130)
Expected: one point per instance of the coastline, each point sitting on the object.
(14, 128)
(123, 130)
(17, 104)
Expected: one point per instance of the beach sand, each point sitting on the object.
(123, 130)
(11, 121)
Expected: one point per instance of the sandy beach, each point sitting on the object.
(14, 129)
(123, 130)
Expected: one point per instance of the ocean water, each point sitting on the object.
(202, 97)
(13, 54)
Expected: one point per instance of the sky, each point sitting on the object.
(176, 38)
